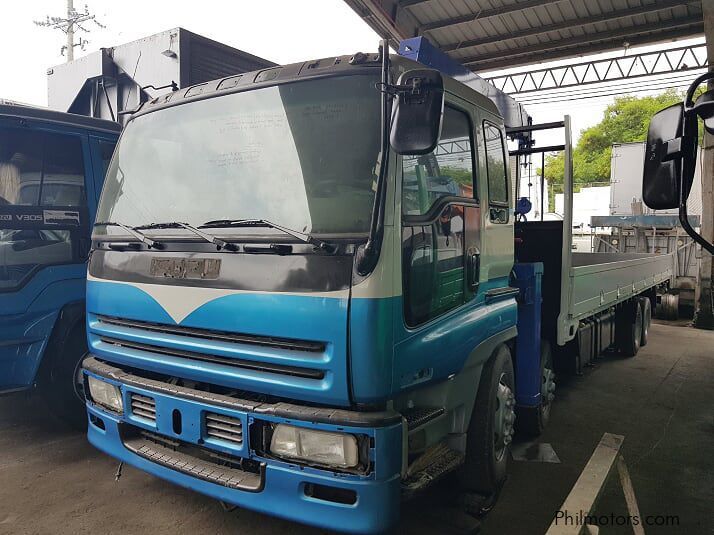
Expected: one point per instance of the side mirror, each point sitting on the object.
(670, 157)
(417, 113)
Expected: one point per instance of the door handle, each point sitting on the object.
(474, 268)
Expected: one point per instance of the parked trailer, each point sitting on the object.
(333, 315)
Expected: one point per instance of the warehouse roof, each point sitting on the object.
(487, 35)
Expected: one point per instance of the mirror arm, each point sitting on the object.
(368, 255)
(684, 221)
(689, 99)
(683, 216)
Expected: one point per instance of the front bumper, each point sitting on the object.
(276, 487)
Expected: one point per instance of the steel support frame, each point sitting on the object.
(680, 59)
(704, 296)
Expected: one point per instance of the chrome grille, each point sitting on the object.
(143, 407)
(222, 427)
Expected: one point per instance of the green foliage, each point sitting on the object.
(625, 120)
(460, 176)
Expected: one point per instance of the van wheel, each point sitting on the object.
(490, 431)
(646, 305)
(63, 387)
(629, 328)
(532, 421)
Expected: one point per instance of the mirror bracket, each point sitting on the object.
(673, 149)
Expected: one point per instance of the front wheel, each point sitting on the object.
(63, 386)
(491, 427)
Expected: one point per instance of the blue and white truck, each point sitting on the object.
(309, 295)
(52, 166)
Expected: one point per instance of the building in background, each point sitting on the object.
(111, 80)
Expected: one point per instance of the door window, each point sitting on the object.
(446, 171)
(42, 202)
(433, 251)
(496, 171)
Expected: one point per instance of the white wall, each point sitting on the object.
(586, 203)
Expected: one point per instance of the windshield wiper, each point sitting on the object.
(152, 244)
(221, 244)
(302, 236)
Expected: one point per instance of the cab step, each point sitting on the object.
(418, 416)
(434, 464)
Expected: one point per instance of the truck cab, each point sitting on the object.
(52, 167)
(236, 344)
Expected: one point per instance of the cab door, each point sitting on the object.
(441, 240)
(44, 234)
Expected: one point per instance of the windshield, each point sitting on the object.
(301, 154)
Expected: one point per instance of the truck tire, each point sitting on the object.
(629, 328)
(646, 305)
(532, 421)
(490, 431)
(62, 387)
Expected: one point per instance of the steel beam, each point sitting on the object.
(568, 24)
(666, 61)
(583, 45)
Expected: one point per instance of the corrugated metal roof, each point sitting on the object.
(487, 35)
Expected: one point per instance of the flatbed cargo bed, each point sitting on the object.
(600, 280)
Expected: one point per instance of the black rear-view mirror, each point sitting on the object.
(670, 157)
(417, 113)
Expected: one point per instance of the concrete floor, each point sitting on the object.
(52, 481)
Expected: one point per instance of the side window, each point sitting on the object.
(40, 171)
(106, 149)
(446, 171)
(496, 171)
(20, 167)
(433, 257)
(63, 175)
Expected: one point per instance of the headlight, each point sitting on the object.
(105, 394)
(319, 447)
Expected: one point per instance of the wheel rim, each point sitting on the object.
(504, 418)
(78, 383)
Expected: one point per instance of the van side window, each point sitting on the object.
(446, 171)
(496, 171)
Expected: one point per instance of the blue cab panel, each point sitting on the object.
(52, 170)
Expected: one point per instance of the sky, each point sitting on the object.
(283, 31)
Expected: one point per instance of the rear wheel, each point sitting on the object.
(63, 387)
(629, 328)
(646, 305)
(533, 421)
(491, 428)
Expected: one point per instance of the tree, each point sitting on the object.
(625, 120)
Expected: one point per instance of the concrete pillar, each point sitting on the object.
(704, 318)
